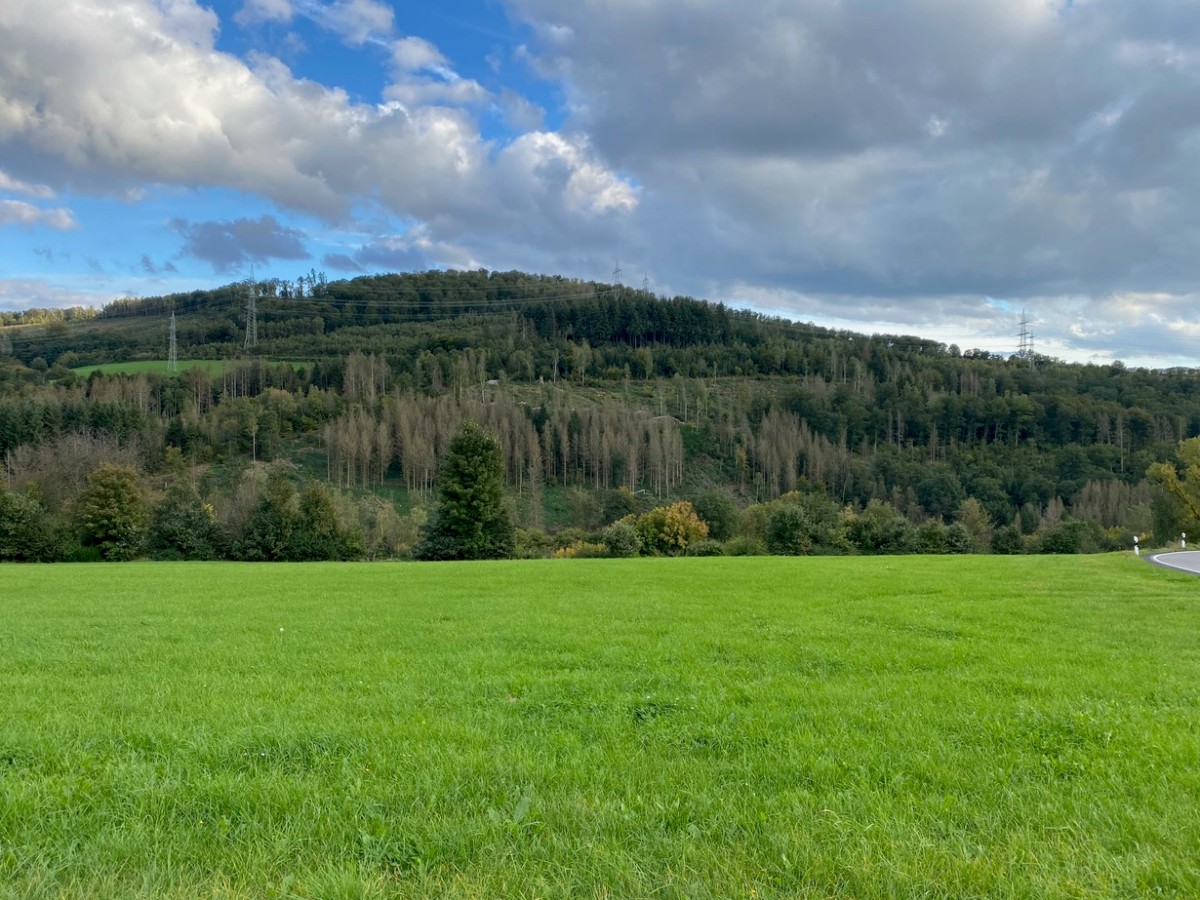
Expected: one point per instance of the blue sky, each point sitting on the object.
(918, 166)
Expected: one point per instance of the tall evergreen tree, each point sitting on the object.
(470, 521)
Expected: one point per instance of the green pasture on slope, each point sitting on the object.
(871, 727)
(159, 366)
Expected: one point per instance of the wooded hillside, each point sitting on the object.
(605, 400)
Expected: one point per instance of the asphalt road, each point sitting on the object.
(1181, 560)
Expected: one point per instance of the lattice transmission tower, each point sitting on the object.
(1025, 348)
(251, 316)
(172, 349)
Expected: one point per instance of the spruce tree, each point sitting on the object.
(470, 521)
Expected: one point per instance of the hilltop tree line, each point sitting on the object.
(593, 391)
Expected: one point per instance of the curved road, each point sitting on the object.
(1181, 560)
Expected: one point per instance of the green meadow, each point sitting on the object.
(212, 367)
(726, 727)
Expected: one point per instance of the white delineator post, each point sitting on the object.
(1136, 550)
(1183, 541)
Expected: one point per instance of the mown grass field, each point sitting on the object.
(882, 727)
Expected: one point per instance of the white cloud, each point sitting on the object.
(411, 54)
(254, 11)
(106, 98)
(355, 21)
(547, 160)
(16, 212)
(883, 161)
(437, 84)
(16, 186)
(920, 149)
(520, 113)
(38, 293)
(411, 92)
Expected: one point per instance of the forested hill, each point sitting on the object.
(595, 386)
(434, 310)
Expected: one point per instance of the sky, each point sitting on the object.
(930, 167)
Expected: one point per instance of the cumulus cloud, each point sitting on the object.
(423, 76)
(254, 11)
(422, 91)
(38, 293)
(520, 113)
(356, 21)
(924, 153)
(554, 163)
(105, 98)
(16, 212)
(16, 186)
(232, 245)
(898, 163)
(411, 54)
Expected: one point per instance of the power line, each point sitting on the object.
(439, 307)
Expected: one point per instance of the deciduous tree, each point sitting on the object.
(111, 514)
(1185, 487)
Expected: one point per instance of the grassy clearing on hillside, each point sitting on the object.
(940, 727)
(159, 366)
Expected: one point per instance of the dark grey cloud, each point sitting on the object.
(232, 245)
(878, 161)
(898, 158)
(340, 262)
(391, 255)
(147, 266)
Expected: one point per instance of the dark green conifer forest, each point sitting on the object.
(626, 423)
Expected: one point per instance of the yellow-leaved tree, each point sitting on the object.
(1181, 479)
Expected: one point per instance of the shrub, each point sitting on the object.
(1070, 536)
(318, 533)
(744, 545)
(569, 536)
(622, 540)
(719, 512)
(668, 530)
(26, 533)
(960, 540)
(530, 543)
(182, 526)
(928, 537)
(1007, 540)
(791, 531)
(705, 548)
(581, 550)
(267, 534)
(879, 528)
(617, 504)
